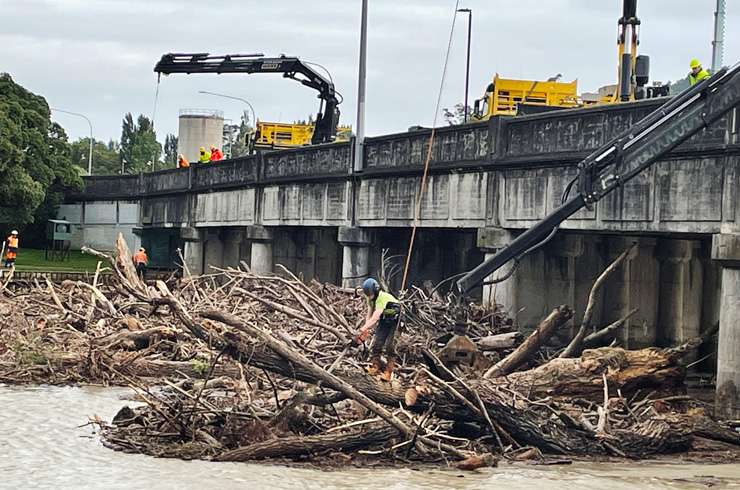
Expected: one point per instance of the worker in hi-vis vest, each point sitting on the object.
(11, 250)
(383, 316)
(697, 73)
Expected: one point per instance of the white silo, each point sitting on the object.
(199, 127)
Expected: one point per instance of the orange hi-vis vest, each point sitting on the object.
(140, 258)
(13, 243)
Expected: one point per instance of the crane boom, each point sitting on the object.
(326, 121)
(625, 157)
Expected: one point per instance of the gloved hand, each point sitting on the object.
(361, 336)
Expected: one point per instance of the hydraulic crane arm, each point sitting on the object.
(623, 158)
(326, 121)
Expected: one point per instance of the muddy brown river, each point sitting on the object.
(44, 447)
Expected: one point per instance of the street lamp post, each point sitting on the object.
(89, 157)
(467, 65)
(362, 74)
(254, 114)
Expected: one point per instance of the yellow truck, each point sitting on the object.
(506, 96)
(272, 135)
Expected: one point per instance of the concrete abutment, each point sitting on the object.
(726, 250)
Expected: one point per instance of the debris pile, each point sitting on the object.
(236, 367)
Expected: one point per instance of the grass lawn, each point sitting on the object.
(30, 260)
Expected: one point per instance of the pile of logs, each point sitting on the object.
(234, 366)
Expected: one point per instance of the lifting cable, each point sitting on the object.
(154, 116)
(422, 189)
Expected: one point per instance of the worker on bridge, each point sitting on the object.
(140, 262)
(182, 162)
(216, 154)
(383, 316)
(11, 250)
(697, 73)
(205, 156)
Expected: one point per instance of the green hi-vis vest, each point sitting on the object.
(387, 302)
(693, 80)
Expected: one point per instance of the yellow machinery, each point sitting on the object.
(282, 135)
(504, 96)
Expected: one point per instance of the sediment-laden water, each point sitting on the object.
(42, 446)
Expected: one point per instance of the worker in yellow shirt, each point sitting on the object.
(383, 315)
(205, 155)
(697, 73)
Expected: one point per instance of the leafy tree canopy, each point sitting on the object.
(35, 160)
(140, 150)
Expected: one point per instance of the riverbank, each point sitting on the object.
(47, 448)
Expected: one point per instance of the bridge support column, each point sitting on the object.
(261, 257)
(213, 252)
(355, 255)
(504, 293)
(193, 253)
(232, 245)
(680, 291)
(726, 250)
(634, 285)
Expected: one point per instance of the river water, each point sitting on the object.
(42, 446)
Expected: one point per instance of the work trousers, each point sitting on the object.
(385, 338)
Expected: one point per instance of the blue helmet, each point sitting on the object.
(370, 286)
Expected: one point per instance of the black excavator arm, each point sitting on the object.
(326, 121)
(623, 158)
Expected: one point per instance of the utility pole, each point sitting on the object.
(718, 43)
(360, 134)
(467, 64)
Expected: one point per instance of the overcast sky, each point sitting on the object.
(96, 56)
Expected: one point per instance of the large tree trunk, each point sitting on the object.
(369, 435)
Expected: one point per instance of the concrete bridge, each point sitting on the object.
(321, 214)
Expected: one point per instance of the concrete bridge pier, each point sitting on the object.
(491, 241)
(213, 250)
(355, 255)
(633, 285)
(261, 238)
(726, 250)
(233, 240)
(194, 248)
(680, 291)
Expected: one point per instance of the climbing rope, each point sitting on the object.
(422, 189)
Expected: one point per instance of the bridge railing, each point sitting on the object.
(454, 145)
(101, 187)
(226, 173)
(164, 181)
(548, 138)
(308, 162)
(575, 132)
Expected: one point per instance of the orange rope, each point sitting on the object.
(420, 195)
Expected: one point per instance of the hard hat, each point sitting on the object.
(694, 63)
(370, 286)
(202, 149)
(14, 232)
(142, 249)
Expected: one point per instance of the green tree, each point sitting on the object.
(170, 150)
(243, 142)
(35, 160)
(106, 157)
(140, 151)
(457, 115)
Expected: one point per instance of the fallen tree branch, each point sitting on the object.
(574, 346)
(527, 349)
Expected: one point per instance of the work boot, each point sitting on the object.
(388, 372)
(374, 367)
